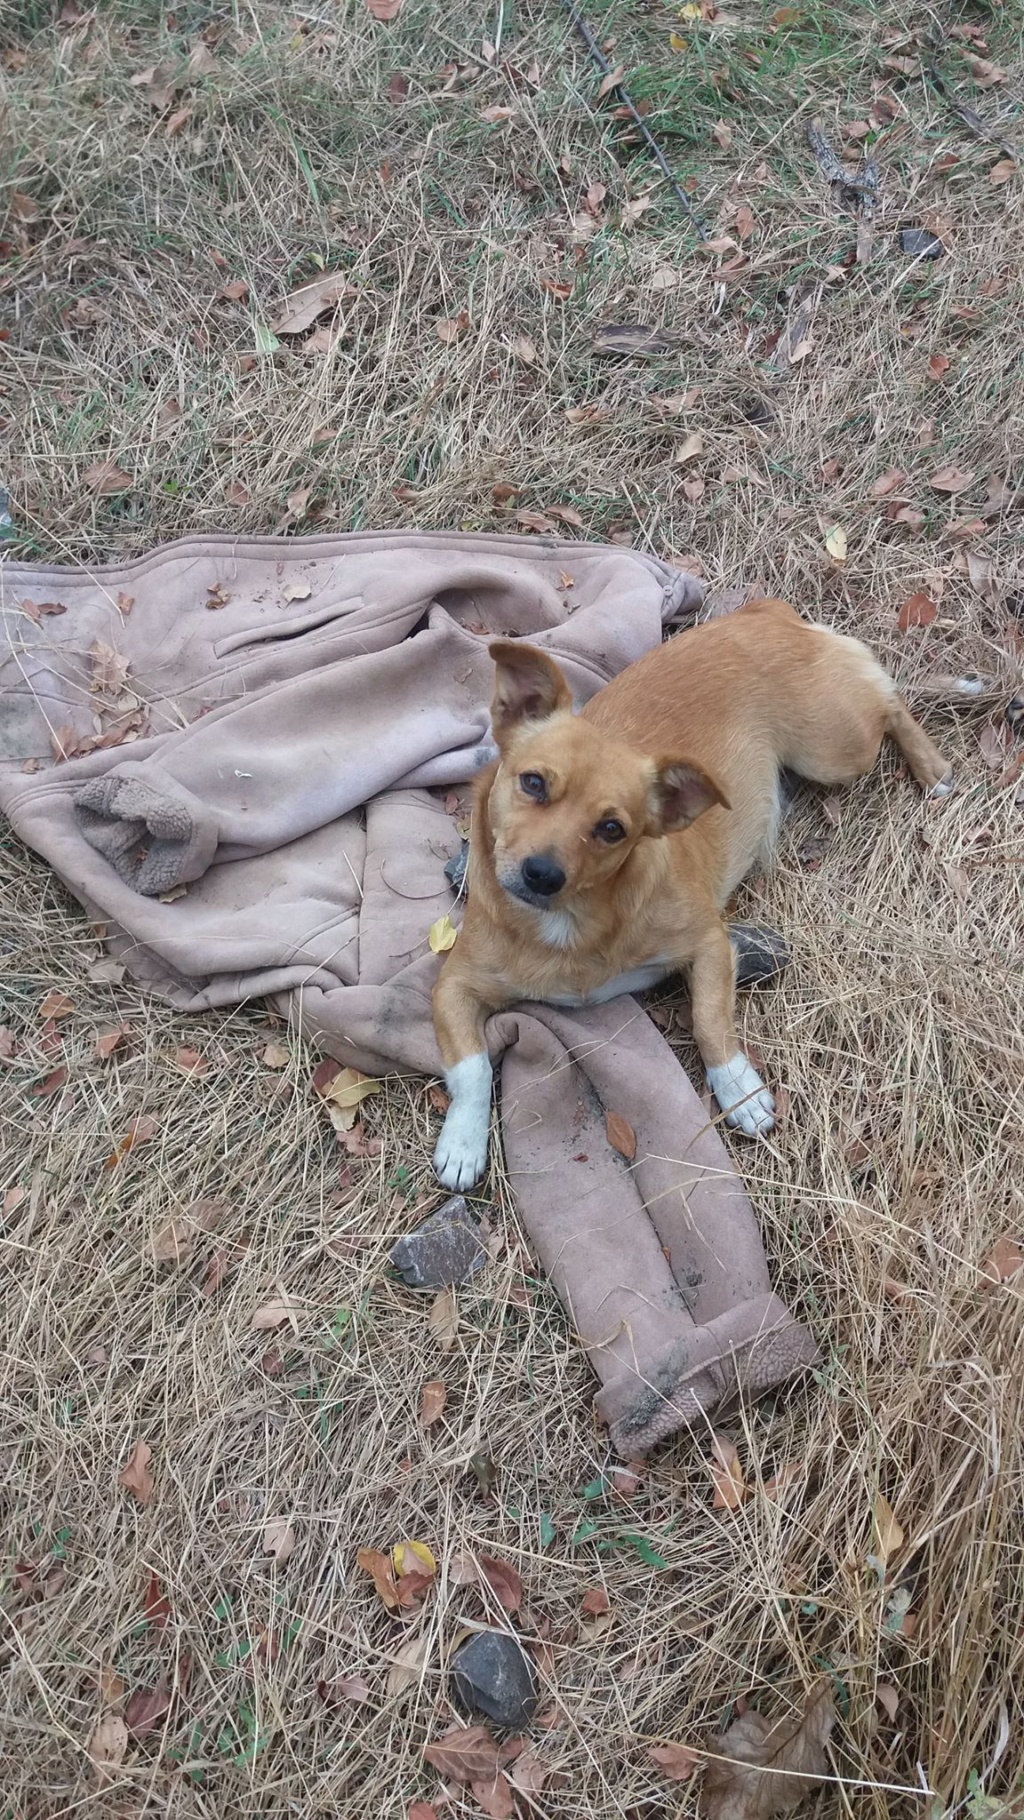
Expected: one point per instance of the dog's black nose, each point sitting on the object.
(542, 875)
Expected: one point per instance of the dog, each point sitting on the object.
(605, 845)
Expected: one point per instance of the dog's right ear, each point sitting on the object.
(528, 686)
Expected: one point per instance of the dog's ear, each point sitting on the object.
(681, 791)
(528, 685)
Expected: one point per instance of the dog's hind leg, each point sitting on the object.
(926, 762)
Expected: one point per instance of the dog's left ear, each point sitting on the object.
(528, 685)
(681, 792)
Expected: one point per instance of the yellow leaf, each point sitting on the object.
(442, 935)
(835, 543)
(413, 1557)
(676, 42)
(888, 1533)
(350, 1088)
(691, 12)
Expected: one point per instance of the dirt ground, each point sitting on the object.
(167, 176)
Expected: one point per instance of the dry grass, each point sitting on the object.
(897, 1032)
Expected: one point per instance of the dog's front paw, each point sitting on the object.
(745, 1100)
(460, 1158)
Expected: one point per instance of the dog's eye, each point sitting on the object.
(532, 784)
(610, 831)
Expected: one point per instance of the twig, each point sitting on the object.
(968, 115)
(580, 25)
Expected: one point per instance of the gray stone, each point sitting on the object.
(447, 1248)
(455, 869)
(920, 243)
(494, 1675)
(761, 954)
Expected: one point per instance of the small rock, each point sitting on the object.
(455, 870)
(761, 954)
(494, 1675)
(920, 243)
(446, 1249)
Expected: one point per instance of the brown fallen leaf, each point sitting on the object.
(135, 1476)
(112, 1687)
(789, 1473)
(938, 365)
(888, 483)
(157, 1605)
(106, 477)
(689, 449)
(567, 515)
(217, 1268)
(952, 479)
(721, 133)
(274, 1314)
(236, 494)
(727, 1475)
(620, 1135)
(503, 1580)
(157, 83)
(744, 221)
(888, 1537)
(443, 1320)
(761, 1769)
(384, 10)
(992, 747)
(422, 1810)
(346, 1687)
(304, 305)
(407, 1665)
(676, 1761)
(525, 349)
(107, 1745)
(450, 328)
(55, 1079)
(888, 1699)
(381, 1571)
(493, 1795)
(1002, 1262)
(595, 1601)
(529, 1773)
(56, 1005)
(146, 1707)
(981, 574)
(279, 1540)
(141, 1130)
(201, 61)
(468, 1753)
(919, 610)
(190, 1061)
(433, 1397)
(43, 609)
(1003, 171)
(612, 80)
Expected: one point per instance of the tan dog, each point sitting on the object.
(606, 845)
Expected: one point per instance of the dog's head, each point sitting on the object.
(568, 803)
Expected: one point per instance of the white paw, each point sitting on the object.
(460, 1158)
(743, 1096)
(944, 785)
